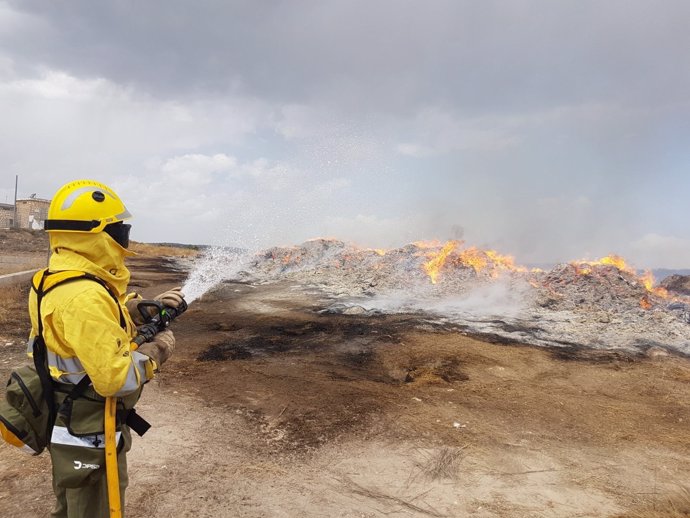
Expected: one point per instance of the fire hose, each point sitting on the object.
(161, 319)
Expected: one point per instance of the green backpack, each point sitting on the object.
(24, 413)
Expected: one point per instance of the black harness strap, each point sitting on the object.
(65, 409)
(134, 421)
(40, 355)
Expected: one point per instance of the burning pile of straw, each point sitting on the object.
(602, 303)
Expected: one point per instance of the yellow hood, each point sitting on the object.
(94, 253)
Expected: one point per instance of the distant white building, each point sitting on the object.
(31, 213)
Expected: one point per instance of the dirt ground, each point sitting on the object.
(270, 409)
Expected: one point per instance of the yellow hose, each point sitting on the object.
(112, 475)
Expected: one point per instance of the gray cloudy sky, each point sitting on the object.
(548, 130)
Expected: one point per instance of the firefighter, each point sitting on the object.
(87, 325)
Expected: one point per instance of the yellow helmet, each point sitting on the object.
(85, 206)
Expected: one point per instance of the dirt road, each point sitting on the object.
(269, 408)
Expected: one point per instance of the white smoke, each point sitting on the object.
(502, 298)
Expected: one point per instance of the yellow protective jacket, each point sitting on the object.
(81, 320)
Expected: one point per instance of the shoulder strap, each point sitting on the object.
(40, 354)
(66, 407)
(44, 281)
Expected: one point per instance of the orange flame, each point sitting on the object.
(618, 262)
(646, 279)
(661, 292)
(473, 257)
(480, 260)
(433, 266)
(609, 260)
(504, 262)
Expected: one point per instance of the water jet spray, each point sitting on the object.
(217, 265)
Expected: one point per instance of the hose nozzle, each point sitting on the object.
(159, 321)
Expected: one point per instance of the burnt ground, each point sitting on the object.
(271, 408)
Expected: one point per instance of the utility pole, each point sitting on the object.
(15, 223)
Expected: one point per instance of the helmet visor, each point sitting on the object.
(119, 232)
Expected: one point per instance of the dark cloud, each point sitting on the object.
(469, 57)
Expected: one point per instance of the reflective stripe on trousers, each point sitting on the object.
(61, 435)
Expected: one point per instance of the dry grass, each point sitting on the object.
(676, 505)
(31, 263)
(37, 265)
(14, 315)
(443, 463)
(147, 249)
(390, 500)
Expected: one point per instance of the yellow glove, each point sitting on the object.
(161, 348)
